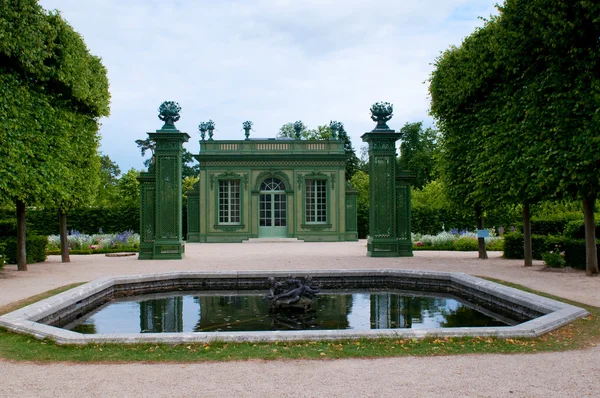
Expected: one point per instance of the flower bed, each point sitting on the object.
(456, 240)
(126, 241)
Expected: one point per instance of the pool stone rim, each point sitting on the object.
(26, 320)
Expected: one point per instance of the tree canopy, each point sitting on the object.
(52, 93)
(517, 105)
(418, 149)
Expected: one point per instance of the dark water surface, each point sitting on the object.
(201, 312)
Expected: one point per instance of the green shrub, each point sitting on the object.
(576, 229)
(35, 245)
(554, 258)
(574, 248)
(8, 227)
(2, 255)
(513, 245)
(497, 245)
(465, 243)
(554, 225)
(85, 220)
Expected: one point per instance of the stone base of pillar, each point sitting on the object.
(146, 251)
(382, 248)
(405, 249)
(168, 250)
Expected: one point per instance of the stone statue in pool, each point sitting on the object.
(291, 295)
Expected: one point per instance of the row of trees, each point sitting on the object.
(517, 106)
(52, 94)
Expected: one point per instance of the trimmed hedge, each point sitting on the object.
(8, 227)
(2, 255)
(574, 248)
(36, 249)
(87, 220)
(576, 229)
(551, 225)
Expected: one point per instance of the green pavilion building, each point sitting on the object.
(271, 188)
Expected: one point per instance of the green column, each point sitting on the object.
(193, 216)
(388, 228)
(147, 214)
(383, 240)
(403, 206)
(168, 243)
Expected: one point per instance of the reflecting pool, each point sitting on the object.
(228, 311)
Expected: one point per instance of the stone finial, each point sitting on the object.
(382, 112)
(247, 126)
(168, 112)
(202, 127)
(298, 127)
(336, 129)
(210, 126)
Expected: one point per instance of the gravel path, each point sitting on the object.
(567, 374)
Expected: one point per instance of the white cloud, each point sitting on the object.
(269, 61)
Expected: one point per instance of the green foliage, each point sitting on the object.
(432, 211)
(52, 93)
(465, 243)
(554, 258)
(574, 249)
(128, 189)
(2, 254)
(36, 249)
(360, 181)
(8, 227)
(44, 48)
(107, 187)
(111, 219)
(517, 104)
(576, 229)
(189, 165)
(287, 131)
(552, 225)
(418, 149)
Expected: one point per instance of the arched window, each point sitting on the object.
(272, 184)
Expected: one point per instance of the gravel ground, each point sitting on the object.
(566, 374)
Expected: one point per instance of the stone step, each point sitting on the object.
(273, 240)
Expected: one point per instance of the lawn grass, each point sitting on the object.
(582, 333)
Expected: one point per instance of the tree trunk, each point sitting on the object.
(64, 243)
(480, 241)
(591, 254)
(21, 235)
(527, 248)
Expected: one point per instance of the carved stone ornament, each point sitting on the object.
(247, 126)
(202, 127)
(293, 294)
(298, 126)
(336, 128)
(382, 112)
(168, 112)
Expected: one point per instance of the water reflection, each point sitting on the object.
(233, 312)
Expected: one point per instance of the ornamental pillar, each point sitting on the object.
(168, 152)
(387, 227)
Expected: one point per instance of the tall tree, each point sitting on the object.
(519, 98)
(49, 83)
(109, 176)
(417, 152)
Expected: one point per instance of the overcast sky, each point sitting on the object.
(268, 61)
